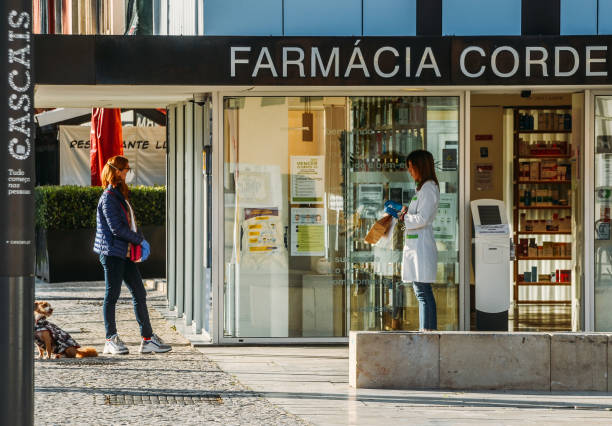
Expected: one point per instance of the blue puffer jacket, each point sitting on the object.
(113, 231)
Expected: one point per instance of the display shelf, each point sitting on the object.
(518, 132)
(544, 232)
(542, 207)
(546, 181)
(545, 283)
(544, 258)
(536, 156)
(521, 137)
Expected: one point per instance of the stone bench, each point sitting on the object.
(480, 360)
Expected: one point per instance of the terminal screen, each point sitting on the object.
(489, 215)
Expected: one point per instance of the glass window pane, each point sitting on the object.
(603, 203)
(301, 192)
(284, 220)
(384, 130)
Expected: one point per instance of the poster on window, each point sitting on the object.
(307, 232)
(258, 185)
(307, 179)
(445, 223)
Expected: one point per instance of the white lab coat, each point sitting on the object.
(420, 257)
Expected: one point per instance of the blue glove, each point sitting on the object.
(146, 250)
(393, 204)
(390, 210)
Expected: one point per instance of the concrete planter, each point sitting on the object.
(480, 361)
(67, 255)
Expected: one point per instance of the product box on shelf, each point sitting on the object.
(549, 170)
(547, 250)
(534, 170)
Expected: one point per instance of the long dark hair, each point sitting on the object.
(423, 162)
(111, 174)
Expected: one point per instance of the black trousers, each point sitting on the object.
(116, 271)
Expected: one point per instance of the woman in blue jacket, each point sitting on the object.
(116, 231)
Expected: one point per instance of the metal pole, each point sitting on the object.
(17, 249)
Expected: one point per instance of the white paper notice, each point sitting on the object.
(307, 175)
(307, 232)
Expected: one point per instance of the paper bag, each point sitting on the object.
(380, 228)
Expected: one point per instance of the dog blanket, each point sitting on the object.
(61, 339)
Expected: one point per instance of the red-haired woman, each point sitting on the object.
(116, 231)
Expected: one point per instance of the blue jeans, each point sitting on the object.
(117, 270)
(428, 319)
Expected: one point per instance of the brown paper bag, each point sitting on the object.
(380, 228)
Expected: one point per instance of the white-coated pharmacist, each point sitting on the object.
(420, 255)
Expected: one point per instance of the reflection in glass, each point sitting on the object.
(284, 232)
(384, 130)
(603, 202)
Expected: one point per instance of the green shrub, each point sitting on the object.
(74, 207)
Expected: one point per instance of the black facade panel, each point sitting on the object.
(541, 17)
(429, 17)
(325, 61)
(61, 59)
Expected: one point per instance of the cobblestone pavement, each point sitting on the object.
(179, 387)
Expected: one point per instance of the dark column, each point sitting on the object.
(429, 17)
(16, 214)
(541, 17)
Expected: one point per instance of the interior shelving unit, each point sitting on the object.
(542, 153)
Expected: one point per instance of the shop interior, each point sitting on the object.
(304, 180)
(526, 149)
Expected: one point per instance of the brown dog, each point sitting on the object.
(52, 339)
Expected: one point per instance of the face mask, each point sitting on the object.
(129, 178)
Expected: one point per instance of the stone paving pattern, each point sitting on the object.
(179, 387)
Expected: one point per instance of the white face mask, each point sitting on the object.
(129, 178)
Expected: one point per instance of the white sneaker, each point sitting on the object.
(155, 344)
(115, 346)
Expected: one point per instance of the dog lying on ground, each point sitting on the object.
(53, 340)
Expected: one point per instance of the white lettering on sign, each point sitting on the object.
(384, 62)
(541, 61)
(515, 57)
(536, 56)
(297, 62)
(235, 61)
(19, 81)
(265, 53)
(331, 66)
(428, 54)
(361, 65)
(316, 59)
(462, 61)
(574, 52)
(377, 58)
(590, 60)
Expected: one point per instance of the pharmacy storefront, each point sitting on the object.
(282, 159)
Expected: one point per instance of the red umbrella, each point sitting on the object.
(106, 140)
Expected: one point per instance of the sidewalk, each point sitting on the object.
(312, 382)
(179, 387)
(250, 385)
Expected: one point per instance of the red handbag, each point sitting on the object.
(135, 252)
